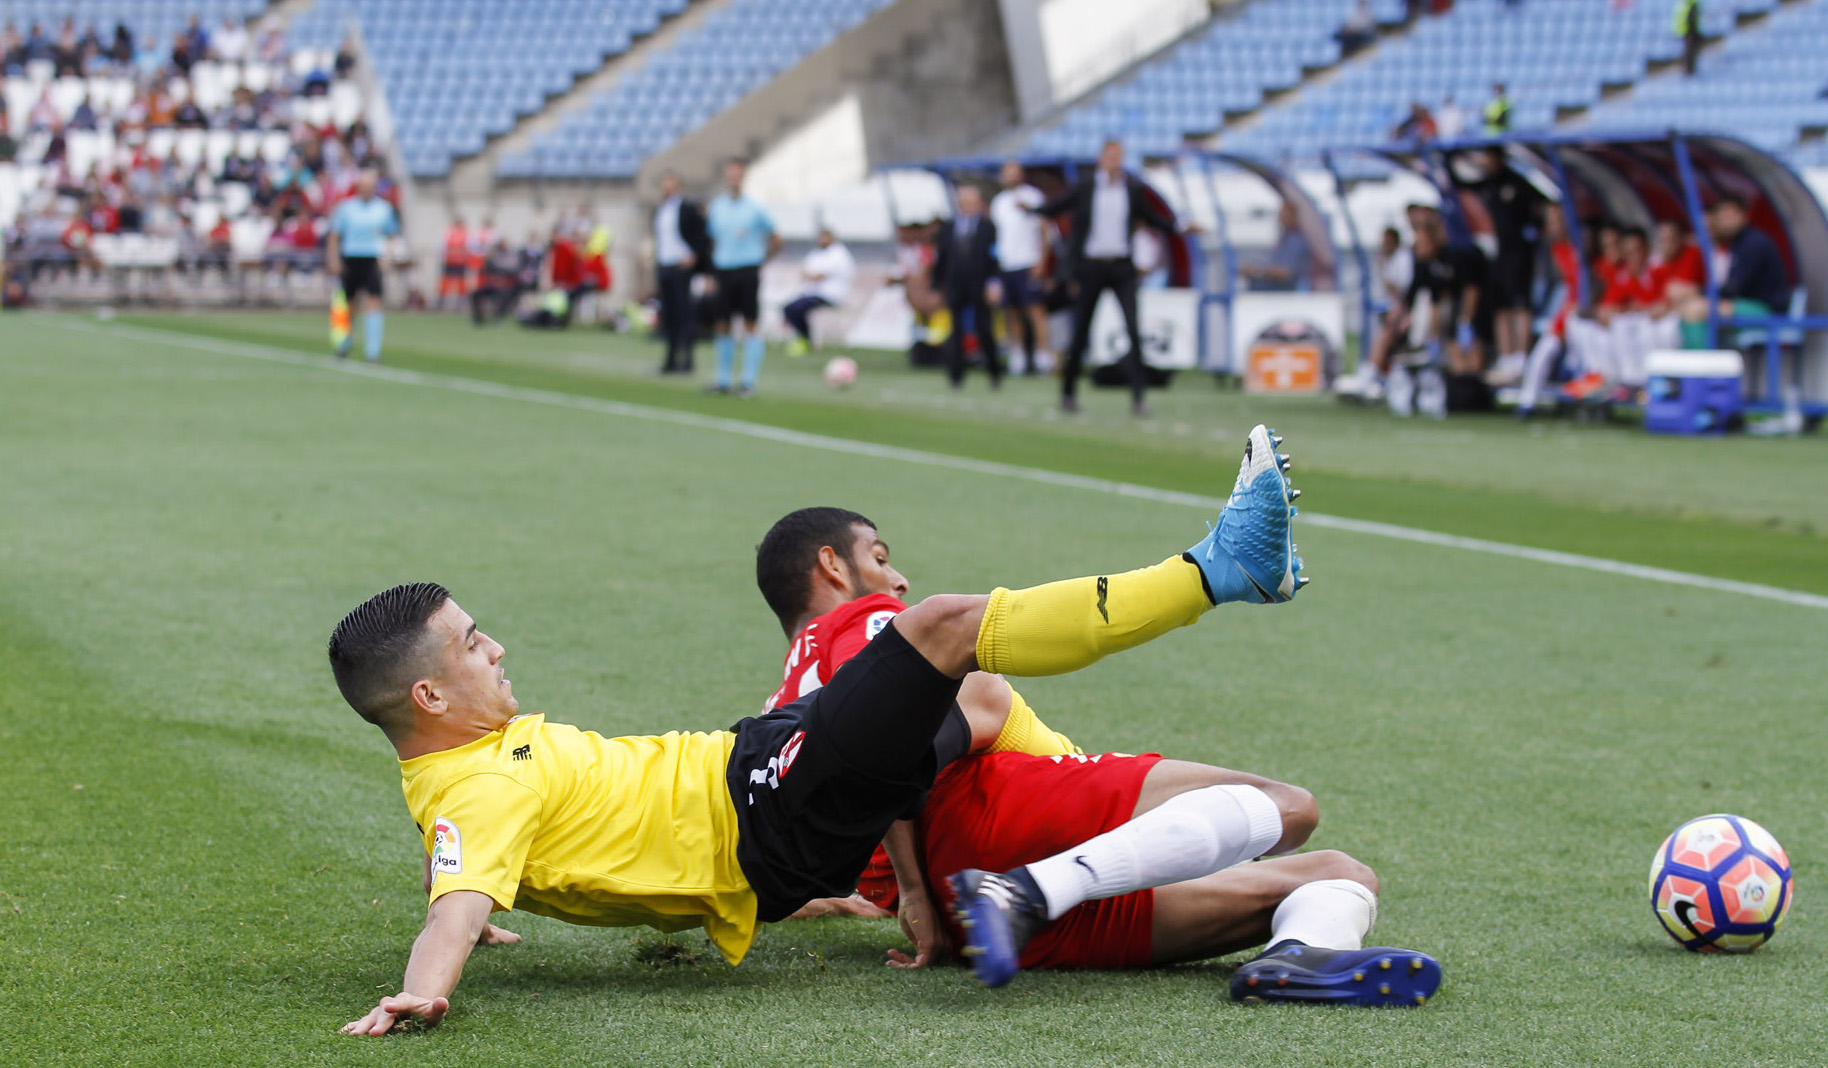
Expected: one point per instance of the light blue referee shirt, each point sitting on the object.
(740, 228)
(361, 225)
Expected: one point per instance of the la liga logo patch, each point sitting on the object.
(447, 847)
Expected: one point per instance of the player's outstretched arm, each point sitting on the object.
(452, 927)
(919, 916)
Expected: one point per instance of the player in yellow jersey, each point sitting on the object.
(728, 829)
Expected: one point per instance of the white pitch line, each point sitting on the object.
(846, 446)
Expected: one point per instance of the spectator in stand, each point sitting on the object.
(1498, 111)
(149, 60)
(344, 64)
(1359, 30)
(38, 44)
(742, 239)
(1686, 22)
(83, 118)
(189, 116)
(1291, 263)
(120, 50)
(1450, 120)
(1021, 240)
(1515, 207)
(358, 228)
(9, 145)
(1754, 283)
(196, 38)
(43, 115)
(230, 43)
(1418, 125)
(66, 54)
(12, 52)
(826, 272)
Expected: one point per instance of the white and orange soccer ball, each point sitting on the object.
(1721, 883)
(841, 372)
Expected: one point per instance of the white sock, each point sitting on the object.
(1187, 836)
(1329, 914)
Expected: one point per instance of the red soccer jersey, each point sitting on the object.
(1686, 267)
(1632, 291)
(828, 641)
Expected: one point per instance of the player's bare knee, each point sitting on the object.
(944, 629)
(1300, 814)
(1337, 865)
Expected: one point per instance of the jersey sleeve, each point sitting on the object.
(872, 614)
(480, 831)
(392, 226)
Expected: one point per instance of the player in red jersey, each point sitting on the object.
(826, 574)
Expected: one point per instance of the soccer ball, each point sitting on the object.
(1720, 883)
(841, 372)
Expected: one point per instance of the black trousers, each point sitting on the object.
(984, 324)
(1094, 277)
(677, 321)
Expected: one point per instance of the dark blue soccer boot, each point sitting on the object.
(1378, 976)
(1000, 912)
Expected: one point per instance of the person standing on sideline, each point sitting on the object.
(966, 263)
(1103, 208)
(454, 272)
(742, 239)
(1450, 120)
(681, 249)
(358, 228)
(1021, 238)
(827, 270)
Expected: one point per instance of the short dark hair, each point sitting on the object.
(1732, 199)
(380, 643)
(1634, 232)
(785, 558)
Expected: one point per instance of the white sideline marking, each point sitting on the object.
(272, 354)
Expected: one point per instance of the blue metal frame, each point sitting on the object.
(1776, 325)
(1368, 305)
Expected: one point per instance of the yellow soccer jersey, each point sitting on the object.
(614, 832)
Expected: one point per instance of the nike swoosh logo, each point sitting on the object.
(1685, 911)
(1083, 863)
(1104, 584)
(1261, 592)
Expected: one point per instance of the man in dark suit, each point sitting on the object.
(965, 264)
(1102, 210)
(682, 248)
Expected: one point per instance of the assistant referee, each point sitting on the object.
(358, 227)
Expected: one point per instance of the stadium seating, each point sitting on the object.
(1229, 67)
(1764, 84)
(1551, 54)
(734, 51)
(457, 72)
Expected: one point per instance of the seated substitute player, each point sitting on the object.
(728, 829)
(826, 574)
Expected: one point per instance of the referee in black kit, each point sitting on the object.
(1103, 209)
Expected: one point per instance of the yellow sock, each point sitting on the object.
(1023, 732)
(1064, 626)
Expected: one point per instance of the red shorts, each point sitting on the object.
(1003, 810)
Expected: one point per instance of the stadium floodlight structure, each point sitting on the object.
(1207, 263)
(1637, 179)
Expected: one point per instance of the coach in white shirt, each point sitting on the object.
(1021, 237)
(828, 270)
(1104, 208)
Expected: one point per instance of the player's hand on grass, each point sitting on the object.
(496, 936)
(396, 1010)
(920, 922)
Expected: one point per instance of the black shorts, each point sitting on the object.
(739, 293)
(1513, 275)
(817, 783)
(361, 274)
(1020, 289)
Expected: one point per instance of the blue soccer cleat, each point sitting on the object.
(999, 913)
(1249, 555)
(1379, 976)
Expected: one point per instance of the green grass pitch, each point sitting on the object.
(204, 857)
